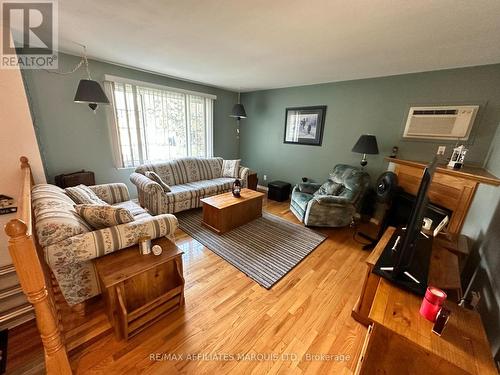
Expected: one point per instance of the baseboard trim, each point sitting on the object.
(262, 188)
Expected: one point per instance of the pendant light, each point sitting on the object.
(238, 110)
(89, 91)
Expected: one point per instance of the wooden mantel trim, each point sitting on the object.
(477, 174)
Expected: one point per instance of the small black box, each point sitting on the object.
(278, 191)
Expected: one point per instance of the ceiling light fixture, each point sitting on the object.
(89, 91)
(238, 110)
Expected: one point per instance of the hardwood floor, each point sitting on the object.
(230, 324)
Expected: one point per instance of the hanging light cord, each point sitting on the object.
(83, 61)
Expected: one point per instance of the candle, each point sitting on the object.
(431, 304)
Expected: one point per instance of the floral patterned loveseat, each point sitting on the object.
(189, 180)
(70, 244)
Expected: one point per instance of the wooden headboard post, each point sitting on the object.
(23, 250)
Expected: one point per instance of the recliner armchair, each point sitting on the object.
(334, 203)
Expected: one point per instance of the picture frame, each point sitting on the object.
(304, 125)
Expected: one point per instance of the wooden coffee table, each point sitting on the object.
(224, 212)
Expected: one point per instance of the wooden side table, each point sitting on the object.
(443, 273)
(252, 180)
(400, 340)
(140, 289)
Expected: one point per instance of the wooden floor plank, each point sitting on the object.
(228, 314)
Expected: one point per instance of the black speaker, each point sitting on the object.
(387, 186)
(385, 190)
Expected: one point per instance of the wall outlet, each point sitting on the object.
(265, 177)
(441, 150)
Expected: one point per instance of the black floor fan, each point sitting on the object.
(387, 186)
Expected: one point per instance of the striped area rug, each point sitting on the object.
(265, 249)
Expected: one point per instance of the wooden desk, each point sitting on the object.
(443, 273)
(400, 341)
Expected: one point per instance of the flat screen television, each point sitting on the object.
(405, 260)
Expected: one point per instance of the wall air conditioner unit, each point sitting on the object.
(440, 122)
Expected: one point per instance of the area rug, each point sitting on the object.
(265, 249)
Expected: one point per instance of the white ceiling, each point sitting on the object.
(261, 44)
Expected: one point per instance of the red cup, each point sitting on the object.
(432, 302)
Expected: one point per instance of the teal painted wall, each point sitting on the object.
(377, 106)
(483, 226)
(72, 137)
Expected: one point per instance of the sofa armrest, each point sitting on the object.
(145, 184)
(91, 245)
(308, 187)
(111, 193)
(243, 175)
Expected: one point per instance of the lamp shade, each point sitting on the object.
(366, 144)
(90, 91)
(238, 111)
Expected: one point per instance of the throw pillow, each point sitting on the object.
(330, 188)
(154, 176)
(230, 168)
(100, 216)
(82, 194)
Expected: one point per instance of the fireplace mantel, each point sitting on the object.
(451, 188)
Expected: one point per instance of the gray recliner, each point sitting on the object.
(334, 203)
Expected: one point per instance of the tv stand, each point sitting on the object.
(399, 340)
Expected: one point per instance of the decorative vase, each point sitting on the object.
(236, 188)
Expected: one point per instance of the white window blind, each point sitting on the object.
(152, 123)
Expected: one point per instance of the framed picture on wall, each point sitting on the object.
(304, 125)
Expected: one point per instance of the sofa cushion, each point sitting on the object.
(154, 176)
(55, 217)
(330, 188)
(230, 168)
(184, 170)
(100, 216)
(82, 194)
(199, 189)
(301, 199)
(111, 193)
(137, 211)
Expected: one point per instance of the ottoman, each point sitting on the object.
(278, 191)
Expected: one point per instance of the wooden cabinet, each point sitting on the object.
(140, 289)
(451, 188)
(399, 340)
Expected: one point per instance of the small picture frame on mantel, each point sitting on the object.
(304, 125)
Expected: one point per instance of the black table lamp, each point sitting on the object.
(366, 144)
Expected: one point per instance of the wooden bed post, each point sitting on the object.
(30, 272)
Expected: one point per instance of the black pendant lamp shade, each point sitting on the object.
(366, 144)
(238, 111)
(91, 92)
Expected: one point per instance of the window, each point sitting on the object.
(154, 123)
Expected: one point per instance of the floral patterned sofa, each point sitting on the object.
(189, 180)
(70, 244)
